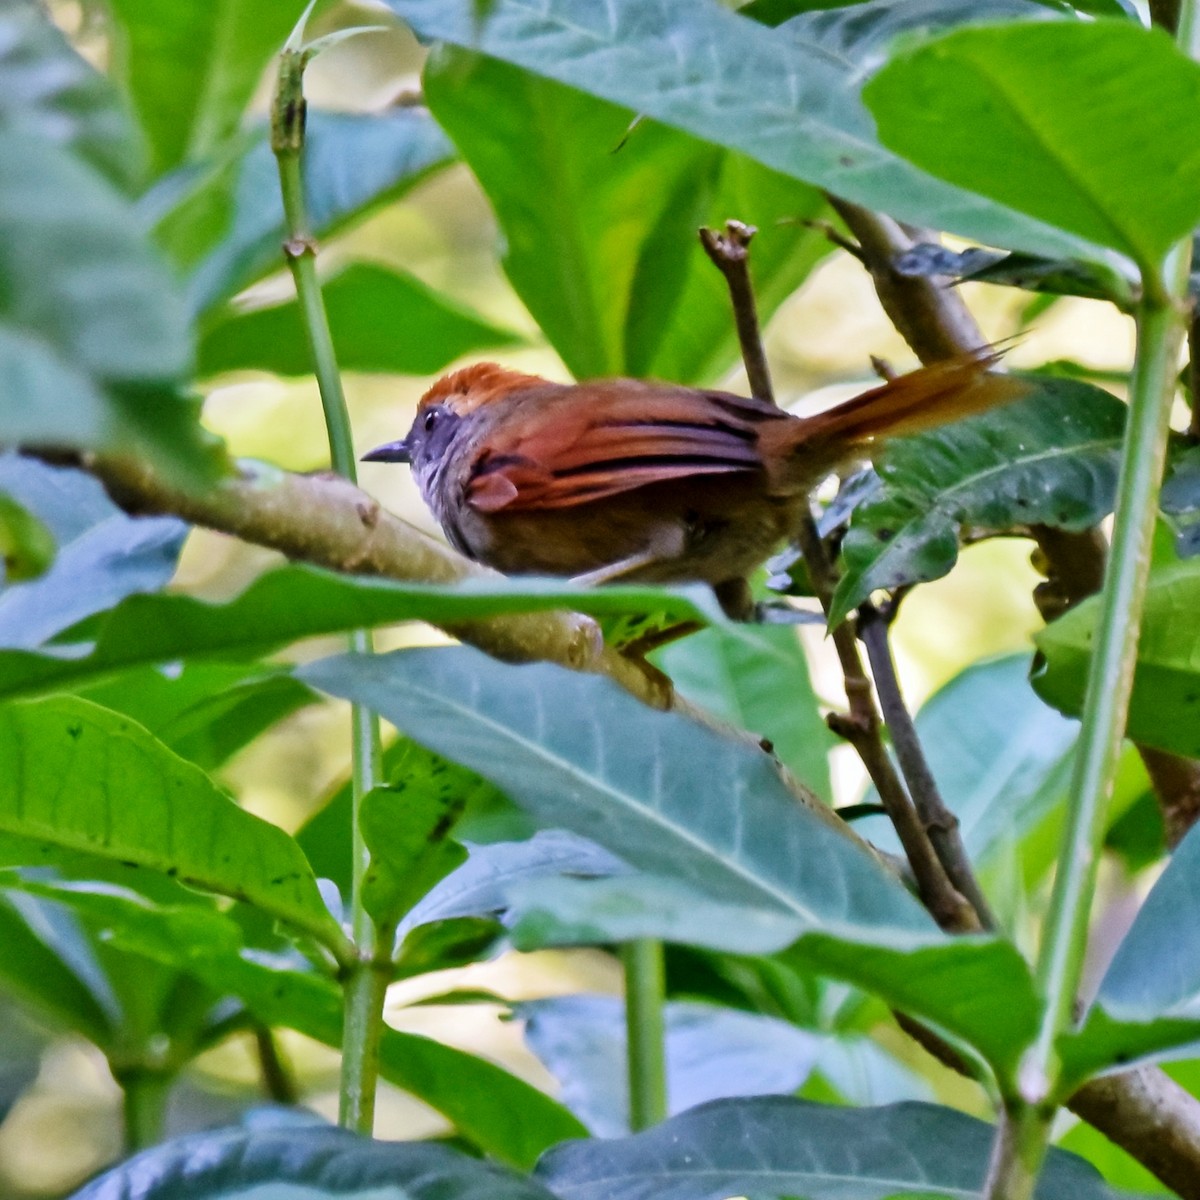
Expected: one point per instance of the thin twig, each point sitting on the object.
(939, 822)
(730, 253)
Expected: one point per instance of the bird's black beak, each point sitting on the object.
(391, 452)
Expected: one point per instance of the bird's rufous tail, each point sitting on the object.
(923, 399)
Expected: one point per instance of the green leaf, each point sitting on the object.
(1095, 112)
(67, 240)
(296, 602)
(992, 747)
(756, 677)
(189, 70)
(222, 221)
(382, 320)
(407, 830)
(502, 1115)
(79, 370)
(1049, 458)
(713, 815)
(786, 102)
(306, 1160)
(599, 214)
(26, 545)
(325, 837)
(780, 1146)
(85, 779)
(49, 91)
(1165, 706)
(205, 712)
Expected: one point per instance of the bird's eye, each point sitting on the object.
(431, 419)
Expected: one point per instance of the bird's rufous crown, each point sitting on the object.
(471, 387)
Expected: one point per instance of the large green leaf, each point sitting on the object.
(756, 676)
(221, 221)
(49, 91)
(494, 1110)
(81, 778)
(599, 220)
(711, 814)
(1095, 113)
(779, 1146)
(1049, 458)
(1165, 708)
(382, 320)
(781, 99)
(189, 69)
(296, 602)
(307, 1160)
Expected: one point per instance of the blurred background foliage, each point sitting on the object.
(439, 247)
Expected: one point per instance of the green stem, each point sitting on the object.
(645, 988)
(144, 1106)
(365, 991)
(1032, 1096)
(365, 984)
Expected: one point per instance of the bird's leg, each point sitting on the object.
(667, 541)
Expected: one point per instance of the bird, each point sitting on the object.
(640, 481)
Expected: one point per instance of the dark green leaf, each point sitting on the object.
(599, 214)
(222, 221)
(778, 1146)
(756, 677)
(711, 1053)
(382, 320)
(992, 746)
(1092, 111)
(710, 814)
(1165, 708)
(782, 100)
(305, 1158)
(81, 778)
(296, 602)
(1049, 458)
(190, 69)
(494, 1110)
(50, 92)
(407, 830)
(36, 973)
(1068, 277)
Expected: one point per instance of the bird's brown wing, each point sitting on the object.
(601, 439)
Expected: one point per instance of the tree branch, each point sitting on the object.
(325, 520)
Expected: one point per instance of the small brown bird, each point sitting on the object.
(618, 478)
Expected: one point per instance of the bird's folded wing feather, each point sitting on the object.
(604, 440)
